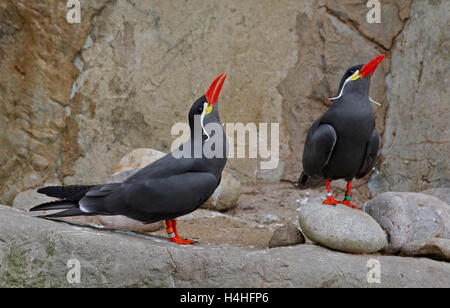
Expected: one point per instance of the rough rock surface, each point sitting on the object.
(205, 226)
(35, 252)
(286, 235)
(354, 13)
(436, 248)
(408, 217)
(341, 228)
(416, 140)
(38, 57)
(145, 68)
(76, 97)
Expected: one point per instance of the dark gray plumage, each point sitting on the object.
(166, 189)
(343, 142)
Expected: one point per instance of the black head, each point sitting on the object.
(206, 150)
(205, 109)
(356, 78)
(197, 109)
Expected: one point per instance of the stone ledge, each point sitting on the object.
(34, 253)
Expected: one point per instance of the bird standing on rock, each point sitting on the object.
(343, 142)
(164, 190)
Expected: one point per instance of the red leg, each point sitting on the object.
(330, 199)
(171, 228)
(348, 197)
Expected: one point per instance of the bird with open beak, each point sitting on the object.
(343, 142)
(164, 190)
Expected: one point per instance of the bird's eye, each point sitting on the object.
(200, 109)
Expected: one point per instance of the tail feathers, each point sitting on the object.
(55, 205)
(71, 208)
(306, 181)
(75, 211)
(73, 192)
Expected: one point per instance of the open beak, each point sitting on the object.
(370, 67)
(212, 100)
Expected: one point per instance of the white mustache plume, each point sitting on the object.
(202, 117)
(342, 91)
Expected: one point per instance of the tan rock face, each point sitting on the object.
(76, 97)
(145, 68)
(150, 60)
(37, 52)
(354, 13)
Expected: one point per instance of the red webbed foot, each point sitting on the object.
(330, 200)
(171, 228)
(181, 241)
(347, 202)
(348, 197)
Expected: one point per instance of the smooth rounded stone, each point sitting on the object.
(408, 217)
(30, 198)
(442, 193)
(286, 235)
(137, 159)
(121, 176)
(224, 198)
(226, 195)
(435, 248)
(341, 228)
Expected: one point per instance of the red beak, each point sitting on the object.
(210, 92)
(370, 67)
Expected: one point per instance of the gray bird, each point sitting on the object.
(343, 142)
(168, 188)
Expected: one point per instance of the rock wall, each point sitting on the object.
(416, 142)
(37, 53)
(76, 97)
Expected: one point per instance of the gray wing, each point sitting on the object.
(164, 167)
(153, 199)
(319, 146)
(370, 158)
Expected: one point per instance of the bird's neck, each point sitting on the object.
(211, 139)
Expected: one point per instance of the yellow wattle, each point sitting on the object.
(208, 109)
(356, 77)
